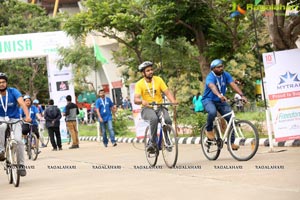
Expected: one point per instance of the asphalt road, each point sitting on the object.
(122, 172)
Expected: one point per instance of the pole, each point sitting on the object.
(263, 87)
(55, 7)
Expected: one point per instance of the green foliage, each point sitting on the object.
(121, 123)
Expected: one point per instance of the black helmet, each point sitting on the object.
(3, 76)
(144, 65)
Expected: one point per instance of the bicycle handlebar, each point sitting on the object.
(10, 122)
(162, 104)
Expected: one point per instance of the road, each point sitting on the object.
(95, 172)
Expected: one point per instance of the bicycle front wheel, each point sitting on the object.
(211, 148)
(243, 143)
(151, 156)
(169, 146)
(7, 165)
(34, 147)
(14, 165)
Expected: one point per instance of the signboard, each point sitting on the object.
(282, 71)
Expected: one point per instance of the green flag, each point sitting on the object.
(257, 2)
(160, 40)
(98, 54)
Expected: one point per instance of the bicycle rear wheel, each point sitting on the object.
(34, 147)
(210, 148)
(14, 165)
(246, 137)
(28, 147)
(170, 146)
(151, 157)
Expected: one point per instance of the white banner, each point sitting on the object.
(44, 45)
(282, 71)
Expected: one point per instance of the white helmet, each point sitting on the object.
(144, 65)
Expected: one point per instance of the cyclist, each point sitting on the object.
(41, 122)
(9, 111)
(214, 98)
(34, 115)
(147, 90)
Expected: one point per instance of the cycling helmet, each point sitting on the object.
(216, 63)
(36, 101)
(26, 97)
(144, 65)
(3, 76)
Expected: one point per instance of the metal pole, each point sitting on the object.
(55, 7)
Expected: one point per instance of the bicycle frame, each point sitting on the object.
(224, 135)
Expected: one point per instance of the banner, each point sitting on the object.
(282, 71)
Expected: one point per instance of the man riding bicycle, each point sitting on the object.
(149, 89)
(214, 98)
(9, 111)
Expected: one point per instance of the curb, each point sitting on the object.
(196, 140)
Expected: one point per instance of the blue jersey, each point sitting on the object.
(32, 111)
(104, 106)
(220, 81)
(12, 103)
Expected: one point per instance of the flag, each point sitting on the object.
(99, 56)
(257, 2)
(160, 40)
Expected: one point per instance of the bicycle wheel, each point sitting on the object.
(28, 147)
(7, 166)
(169, 146)
(210, 148)
(34, 147)
(151, 157)
(246, 137)
(14, 165)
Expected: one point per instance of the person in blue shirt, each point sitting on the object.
(34, 115)
(10, 99)
(214, 97)
(104, 109)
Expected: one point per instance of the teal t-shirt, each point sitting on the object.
(198, 106)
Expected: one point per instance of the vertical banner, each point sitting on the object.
(282, 71)
(139, 123)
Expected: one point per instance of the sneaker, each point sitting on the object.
(235, 147)
(60, 148)
(2, 156)
(43, 146)
(151, 148)
(114, 144)
(21, 170)
(105, 145)
(74, 146)
(210, 135)
(54, 149)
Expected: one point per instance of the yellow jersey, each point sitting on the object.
(151, 92)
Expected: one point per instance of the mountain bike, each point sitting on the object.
(31, 145)
(239, 132)
(10, 164)
(166, 141)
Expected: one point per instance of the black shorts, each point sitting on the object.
(26, 129)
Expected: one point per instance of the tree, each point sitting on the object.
(284, 30)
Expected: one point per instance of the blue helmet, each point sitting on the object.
(36, 101)
(215, 63)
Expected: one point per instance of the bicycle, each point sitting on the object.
(10, 164)
(32, 146)
(241, 132)
(166, 141)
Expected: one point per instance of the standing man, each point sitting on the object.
(52, 116)
(9, 111)
(104, 108)
(214, 99)
(147, 90)
(71, 112)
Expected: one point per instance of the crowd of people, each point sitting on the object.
(148, 89)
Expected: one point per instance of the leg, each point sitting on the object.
(20, 146)
(210, 108)
(2, 137)
(51, 135)
(167, 116)
(58, 137)
(103, 129)
(149, 115)
(111, 132)
(71, 125)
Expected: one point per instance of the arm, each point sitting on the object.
(25, 109)
(139, 101)
(215, 90)
(238, 90)
(170, 96)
